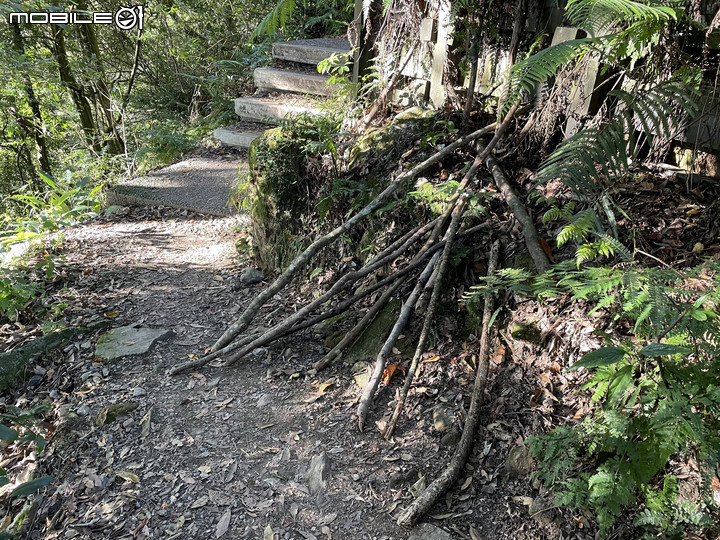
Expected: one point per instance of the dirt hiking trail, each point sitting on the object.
(260, 450)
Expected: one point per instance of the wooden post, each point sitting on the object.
(444, 34)
(363, 54)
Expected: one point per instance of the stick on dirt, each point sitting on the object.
(450, 475)
(532, 240)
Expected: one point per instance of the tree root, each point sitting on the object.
(532, 240)
(400, 324)
(236, 328)
(451, 473)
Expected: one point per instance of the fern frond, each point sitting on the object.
(541, 66)
(582, 223)
(275, 20)
(577, 161)
(599, 16)
(616, 247)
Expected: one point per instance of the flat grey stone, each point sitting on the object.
(198, 184)
(316, 475)
(127, 341)
(238, 139)
(83, 410)
(425, 531)
(251, 276)
(309, 51)
(264, 401)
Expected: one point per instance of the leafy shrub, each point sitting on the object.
(653, 402)
(62, 204)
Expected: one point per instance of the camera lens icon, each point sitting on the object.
(127, 18)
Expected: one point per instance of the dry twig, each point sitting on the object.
(450, 475)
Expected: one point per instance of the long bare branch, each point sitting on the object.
(451, 473)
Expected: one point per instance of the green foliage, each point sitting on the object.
(63, 203)
(317, 19)
(618, 30)
(17, 291)
(283, 161)
(654, 402)
(582, 228)
(165, 142)
(23, 420)
(601, 16)
(337, 66)
(541, 66)
(436, 197)
(23, 432)
(276, 19)
(595, 158)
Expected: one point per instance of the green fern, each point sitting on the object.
(276, 19)
(600, 16)
(595, 158)
(541, 66)
(653, 402)
(555, 213)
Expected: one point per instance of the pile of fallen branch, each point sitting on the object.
(428, 249)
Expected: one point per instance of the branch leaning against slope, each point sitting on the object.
(303, 258)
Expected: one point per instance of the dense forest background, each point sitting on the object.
(95, 102)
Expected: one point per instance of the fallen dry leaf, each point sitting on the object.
(130, 477)
(223, 523)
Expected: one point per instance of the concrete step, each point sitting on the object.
(200, 184)
(237, 138)
(268, 78)
(309, 51)
(273, 108)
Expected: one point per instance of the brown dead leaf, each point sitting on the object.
(475, 534)
(499, 355)
(390, 371)
(431, 359)
(223, 523)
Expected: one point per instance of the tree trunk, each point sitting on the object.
(77, 92)
(38, 132)
(88, 39)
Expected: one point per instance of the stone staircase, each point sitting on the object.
(203, 183)
(291, 85)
